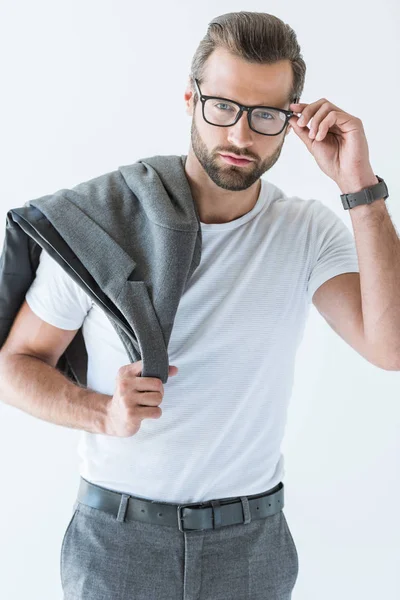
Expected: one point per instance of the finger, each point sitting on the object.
(297, 108)
(302, 132)
(309, 111)
(317, 119)
(324, 126)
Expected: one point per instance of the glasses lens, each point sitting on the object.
(268, 120)
(221, 112)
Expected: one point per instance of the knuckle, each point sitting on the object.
(123, 385)
(122, 370)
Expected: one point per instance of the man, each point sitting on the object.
(211, 437)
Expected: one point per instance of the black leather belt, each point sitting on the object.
(210, 514)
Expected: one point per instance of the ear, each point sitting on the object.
(188, 96)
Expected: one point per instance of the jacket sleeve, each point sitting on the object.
(19, 261)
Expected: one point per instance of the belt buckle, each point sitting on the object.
(205, 504)
(180, 517)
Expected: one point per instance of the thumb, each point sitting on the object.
(302, 132)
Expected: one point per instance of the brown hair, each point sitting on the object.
(255, 37)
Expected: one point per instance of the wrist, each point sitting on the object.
(99, 407)
(356, 185)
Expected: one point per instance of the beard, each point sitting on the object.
(230, 177)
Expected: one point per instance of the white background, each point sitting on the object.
(76, 78)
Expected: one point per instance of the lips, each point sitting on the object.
(235, 161)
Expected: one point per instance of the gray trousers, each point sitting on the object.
(106, 559)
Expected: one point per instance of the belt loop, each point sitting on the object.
(246, 509)
(123, 505)
(216, 513)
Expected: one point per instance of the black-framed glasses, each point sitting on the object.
(266, 120)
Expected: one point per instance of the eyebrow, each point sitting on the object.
(262, 104)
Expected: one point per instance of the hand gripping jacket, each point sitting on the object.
(130, 238)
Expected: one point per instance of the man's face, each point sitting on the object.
(250, 84)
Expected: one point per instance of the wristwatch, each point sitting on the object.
(366, 196)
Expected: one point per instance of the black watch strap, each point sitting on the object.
(366, 196)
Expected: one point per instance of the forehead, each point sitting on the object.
(248, 83)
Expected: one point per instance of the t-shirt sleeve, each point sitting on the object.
(55, 297)
(334, 248)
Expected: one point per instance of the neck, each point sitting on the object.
(215, 204)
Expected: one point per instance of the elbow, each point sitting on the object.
(395, 366)
(389, 365)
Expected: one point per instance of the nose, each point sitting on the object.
(240, 134)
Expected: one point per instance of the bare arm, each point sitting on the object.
(29, 380)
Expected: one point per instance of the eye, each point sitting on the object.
(262, 114)
(224, 104)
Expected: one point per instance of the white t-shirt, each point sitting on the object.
(236, 332)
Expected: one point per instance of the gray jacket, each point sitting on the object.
(130, 238)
